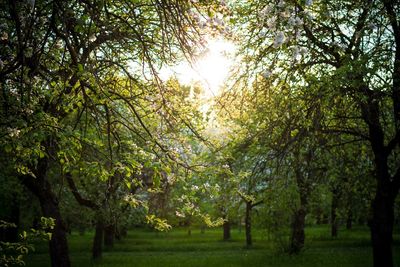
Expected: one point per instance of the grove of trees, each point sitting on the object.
(306, 130)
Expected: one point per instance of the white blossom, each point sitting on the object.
(298, 21)
(92, 38)
(195, 188)
(296, 53)
(303, 50)
(28, 111)
(298, 35)
(285, 14)
(262, 33)
(307, 14)
(279, 39)
(177, 213)
(292, 21)
(295, 21)
(281, 3)
(13, 132)
(265, 11)
(271, 23)
(4, 36)
(266, 74)
(170, 178)
(309, 2)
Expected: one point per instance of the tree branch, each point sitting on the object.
(82, 201)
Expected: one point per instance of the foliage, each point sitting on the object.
(14, 253)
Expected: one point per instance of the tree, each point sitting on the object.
(54, 64)
(349, 51)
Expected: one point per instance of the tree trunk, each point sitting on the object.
(334, 206)
(387, 187)
(248, 224)
(189, 225)
(98, 240)
(41, 188)
(319, 215)
(58, 244)
(109, 233)
(120, 232)
(349, 220)
(227, 230)
(298, 236)
(382, 228)
(299, 217)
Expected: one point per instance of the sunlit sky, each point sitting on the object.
(210, 69)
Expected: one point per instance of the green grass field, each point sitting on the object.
(176, 248)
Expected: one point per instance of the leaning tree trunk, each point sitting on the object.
(41, 188)
(58, 245)
(249, 241)
(98, 240)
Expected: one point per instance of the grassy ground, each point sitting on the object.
(176, 248)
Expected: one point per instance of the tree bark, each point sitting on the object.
(121, 232)
(98, 240)
(189, 225)
(334, 206)
(58, 244)
(349, 220)
(249, 241)
(109, 233)
(381, 223)
(41, 188)
(319, 215)
(298, 236)
(381, 226)
(227, 230)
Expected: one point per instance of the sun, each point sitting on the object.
(211, 68)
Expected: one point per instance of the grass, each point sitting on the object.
(176, 248)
